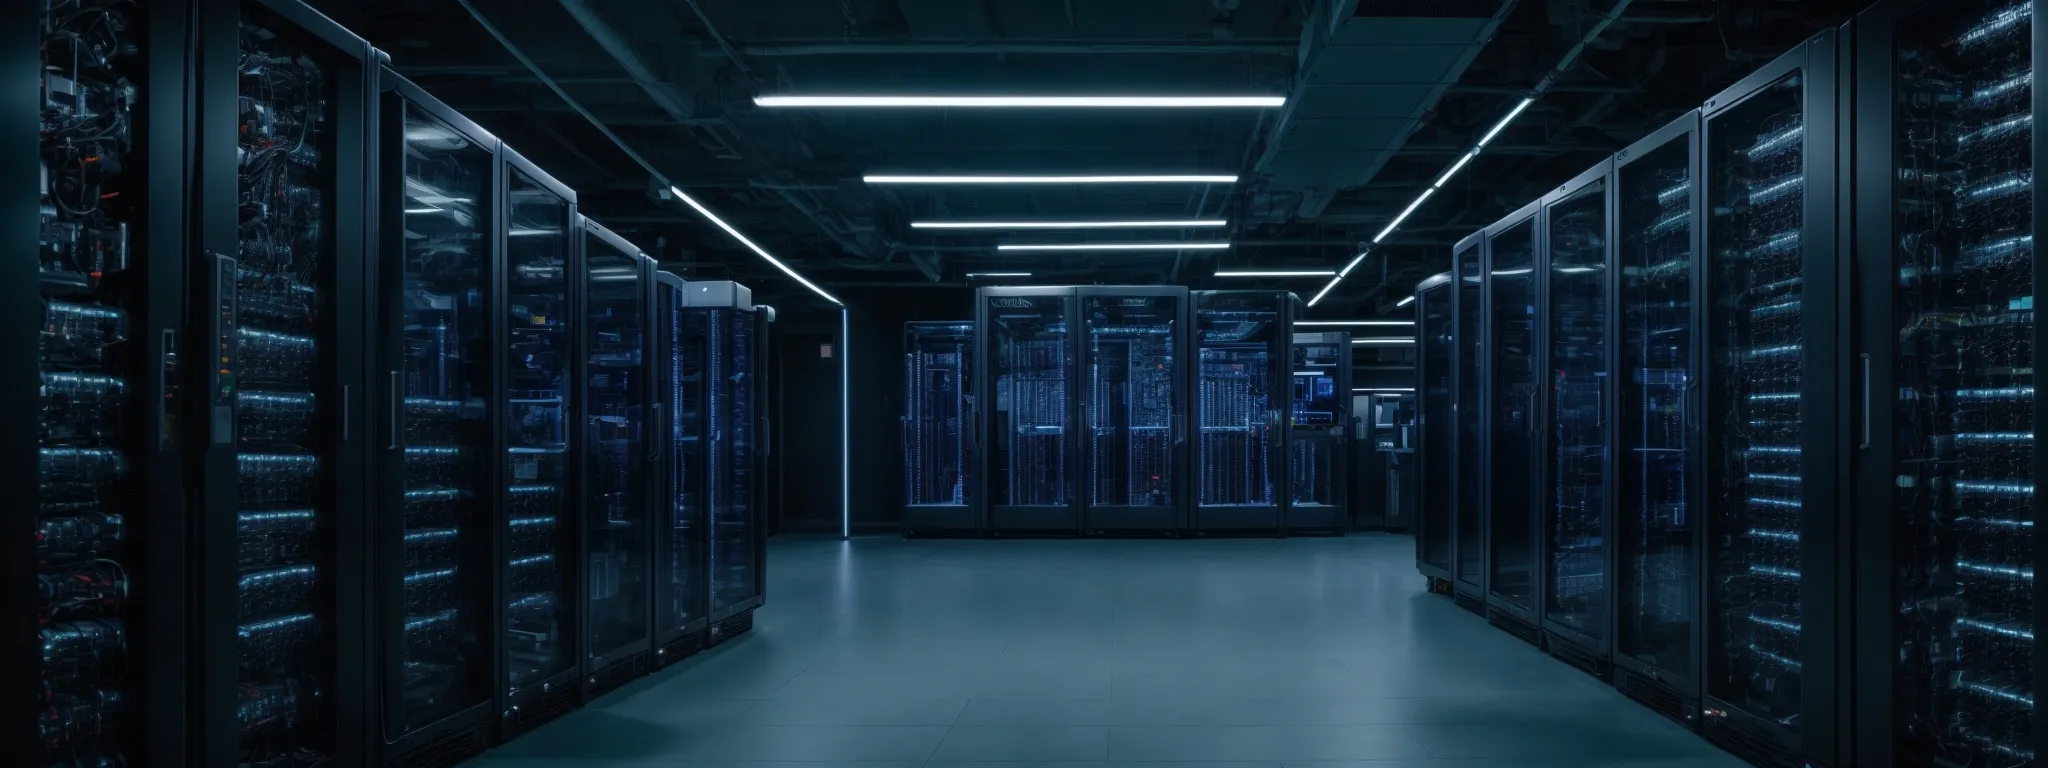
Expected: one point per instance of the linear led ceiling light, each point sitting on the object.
(758, 250)
(1410, 299)
(1456, 166)
(1104, 179)
(1274, 273)
(1113, 247)
(1357, 323)
(998, 274)
(1382, 342)
(1158, 224)
(1382, 389)
(1040, 102)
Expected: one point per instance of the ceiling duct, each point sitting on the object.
(1369, 70)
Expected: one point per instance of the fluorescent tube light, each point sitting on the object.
(1355, 260)
(1382, 389)
(984, 102)
(845, 427)
(1517, 271)
(1404, 215)
(758, 250)
(531, 232)
(1107, 179)
(1169, 223)
(1503, 124)
(998, 274)
(1115, 247)
(1577, 270)
(1382, 341)
(1455, 168)
(1405, 301)
(1327, 286)
(1356, 323)
(1310, 373)
(1274, 273)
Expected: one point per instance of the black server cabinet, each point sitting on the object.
(737, 415)
(681, 546)
(1947, 413)
(1468, 450)
(1656, 535)
(1576, 511)
(1318, 433)
(538, 552)
(1241, 341)
(95, 639)
(1030, 464)
(439, 428)
(283, 133)
(1436, 430)
(939, 491)
(1511, 421)
(616, 478)
(1134, 405)
(1775, 412)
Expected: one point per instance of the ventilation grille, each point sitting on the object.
(680, 648)
(1434, 9)
(1514, 626)
(1660, 698)
(1571, 653)
(1750, 744)
(726, 630)
(1470, 602)
(619, 673)
(452, 748)
(544, 709)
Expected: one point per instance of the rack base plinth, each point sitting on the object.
(549, 706)
(1658, 697)
(1572, 653)
(734, 626)
(1470, 602)
(617, 673)
(1749, 743)
(449, 749)
(1515, 626)
(678, 649)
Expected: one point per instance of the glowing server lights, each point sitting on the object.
(1047, 247)
(758, 250)
(1068, 179)
(1024, 102)
(1152, 224)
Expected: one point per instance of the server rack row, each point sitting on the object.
(341, 454)
(1818, 471)
(1163, 413)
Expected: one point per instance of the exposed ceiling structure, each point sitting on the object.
(1382, 96)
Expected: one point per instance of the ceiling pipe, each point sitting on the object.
(622, 53)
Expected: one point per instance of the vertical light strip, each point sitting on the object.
(845, 429)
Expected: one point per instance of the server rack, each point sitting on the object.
(616, 487)
(1773, 296)
(1512, 420)
(1657, 534)
(1436, 433)
(682, 549)
(738, 542)
(1030, 466)
(100, 461)
(284, 116)
(538, 553)
(1318, 433)
(1241, 343)
(440, 433)
(1578, 482)
(1468, 473)
(1947, 606)
(939, 407)
(1133, 356)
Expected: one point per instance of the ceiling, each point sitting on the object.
(1383, 95)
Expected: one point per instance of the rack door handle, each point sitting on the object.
(396, 400)
(654, 446)
(1865, 443)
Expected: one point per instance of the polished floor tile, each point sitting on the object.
(1232, 653)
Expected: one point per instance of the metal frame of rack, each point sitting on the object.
(1824, 543)
(1521, 620)
(1946, 702)
(1170, 517)
(1334, 517)
(944, 518)
(673, 643)
(1468, 441)
(1245, 517)
(1435, 505)
(1673, 692)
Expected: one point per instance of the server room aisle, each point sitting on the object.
(1243, 652)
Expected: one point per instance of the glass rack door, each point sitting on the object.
(937, 367)
(1241, 339)
(1756, 203)
(538, 594)
(1470, 338)
(1657, 582)
(1576, 507)
(1318, 414)
(1510, 480)
(734, 566)
(614, 490)
(1031, 363)
(683, 594)
(1962, 443)
(1433, 514)
(444, 375)
(1133, 399)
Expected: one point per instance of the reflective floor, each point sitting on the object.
(1238, 652)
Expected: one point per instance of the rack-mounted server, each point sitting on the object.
(1134, 370)
(1468, 473)
(1947, 212)
(682, 590)
(617, 398)
(1318, 435)
(1511, 425)
(939, 486)
(1436, 430)
(738, 424)
(1656, 534)
(538, 550)
(1242, 342)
